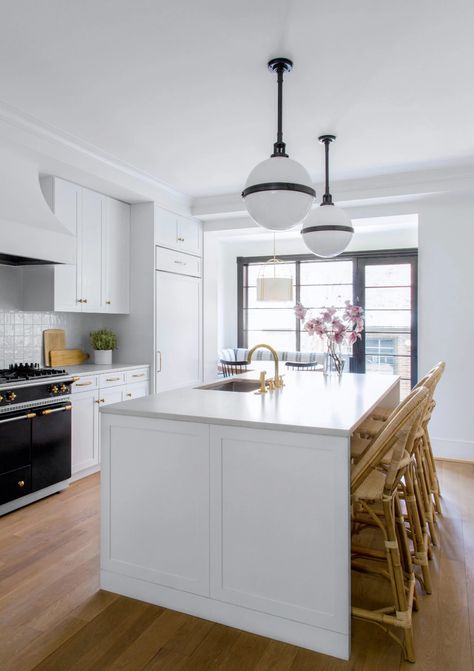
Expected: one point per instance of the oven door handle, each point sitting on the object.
(29, 415)
(49, 411)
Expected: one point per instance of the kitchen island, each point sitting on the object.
(235, 507)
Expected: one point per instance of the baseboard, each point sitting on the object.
(453, 450)
(84, 473)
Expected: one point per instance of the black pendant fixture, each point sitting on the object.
(278, 193)
(327, 230)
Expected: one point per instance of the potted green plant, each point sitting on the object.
(103, 342)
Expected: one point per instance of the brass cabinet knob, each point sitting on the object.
(21, 483)
(84, 300)
(1, 398)
(180, 239)
(108, 302)
(129, 395)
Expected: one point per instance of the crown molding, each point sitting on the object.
(45, 139)
(376, 190)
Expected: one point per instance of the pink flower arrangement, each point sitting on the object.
(337, 330)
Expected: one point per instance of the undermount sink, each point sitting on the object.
(233, 385)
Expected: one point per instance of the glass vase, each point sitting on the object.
(333, 361)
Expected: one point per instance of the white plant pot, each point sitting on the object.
(102, 356)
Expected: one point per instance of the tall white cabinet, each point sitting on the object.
(165, 323)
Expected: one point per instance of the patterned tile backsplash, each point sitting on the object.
(21, 333)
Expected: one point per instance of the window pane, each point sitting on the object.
(253, 303)
(325, 296)
(377, 320)
(394, 343)
(311, 343)
(388, 275)
(270, 319)
(280, 340)
(263, 269)
(396, 297)
(326, 272)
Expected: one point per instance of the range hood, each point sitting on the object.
(29, 231)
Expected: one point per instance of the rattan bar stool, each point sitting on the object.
(427, 477)
(375, 498)
(409, 492)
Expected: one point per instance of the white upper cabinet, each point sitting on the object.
(99, 281)
(89, 241)
(178, 232)
(116, 257)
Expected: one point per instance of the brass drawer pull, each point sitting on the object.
(181, 263)
(84, 384)
(180, 239)
(101, 400)
(138, 375)
(112, 379)
(21, 483)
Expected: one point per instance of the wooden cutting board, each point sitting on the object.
(67, 357)
(54, 339)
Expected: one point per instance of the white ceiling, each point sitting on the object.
(180, 89)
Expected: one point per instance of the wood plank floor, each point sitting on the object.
(54, 618)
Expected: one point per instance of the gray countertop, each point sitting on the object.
(309, 403)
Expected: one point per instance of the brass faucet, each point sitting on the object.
(277, 380)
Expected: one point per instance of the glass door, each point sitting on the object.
(387, 289)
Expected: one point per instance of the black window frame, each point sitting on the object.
(360, 261)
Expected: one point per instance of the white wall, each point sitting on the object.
(446, 318)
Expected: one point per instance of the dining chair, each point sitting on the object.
(229, 368)
(303, 365)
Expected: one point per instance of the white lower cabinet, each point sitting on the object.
(103, 389)
(85, 430)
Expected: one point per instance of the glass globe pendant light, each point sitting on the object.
(278, 193)
(327, 230)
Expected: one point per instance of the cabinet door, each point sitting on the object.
(112, 395)
(66, 205)
(189, 235)
(136, 390)
(159, 502)
(178, 331)
(166, 228)
(116, 257)
(85, 430)
(90, 242)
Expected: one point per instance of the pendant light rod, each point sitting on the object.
(326, 141)
(280, 65)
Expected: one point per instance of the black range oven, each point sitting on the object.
(35, 436)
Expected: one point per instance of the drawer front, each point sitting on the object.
(85, 383)
(176, 262)
(136, 390)
(15, 484)
(137, 375)
(114, 395)
(112, 379)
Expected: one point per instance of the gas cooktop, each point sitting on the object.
(26, 372)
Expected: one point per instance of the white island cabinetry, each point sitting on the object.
(234, 507)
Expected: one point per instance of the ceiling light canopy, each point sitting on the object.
(278, 193)
(327, 230)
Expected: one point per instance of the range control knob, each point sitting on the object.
(55, 389)
(63, 389)
(1, 398)
(11, 396)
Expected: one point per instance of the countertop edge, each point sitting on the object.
(226, 422)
